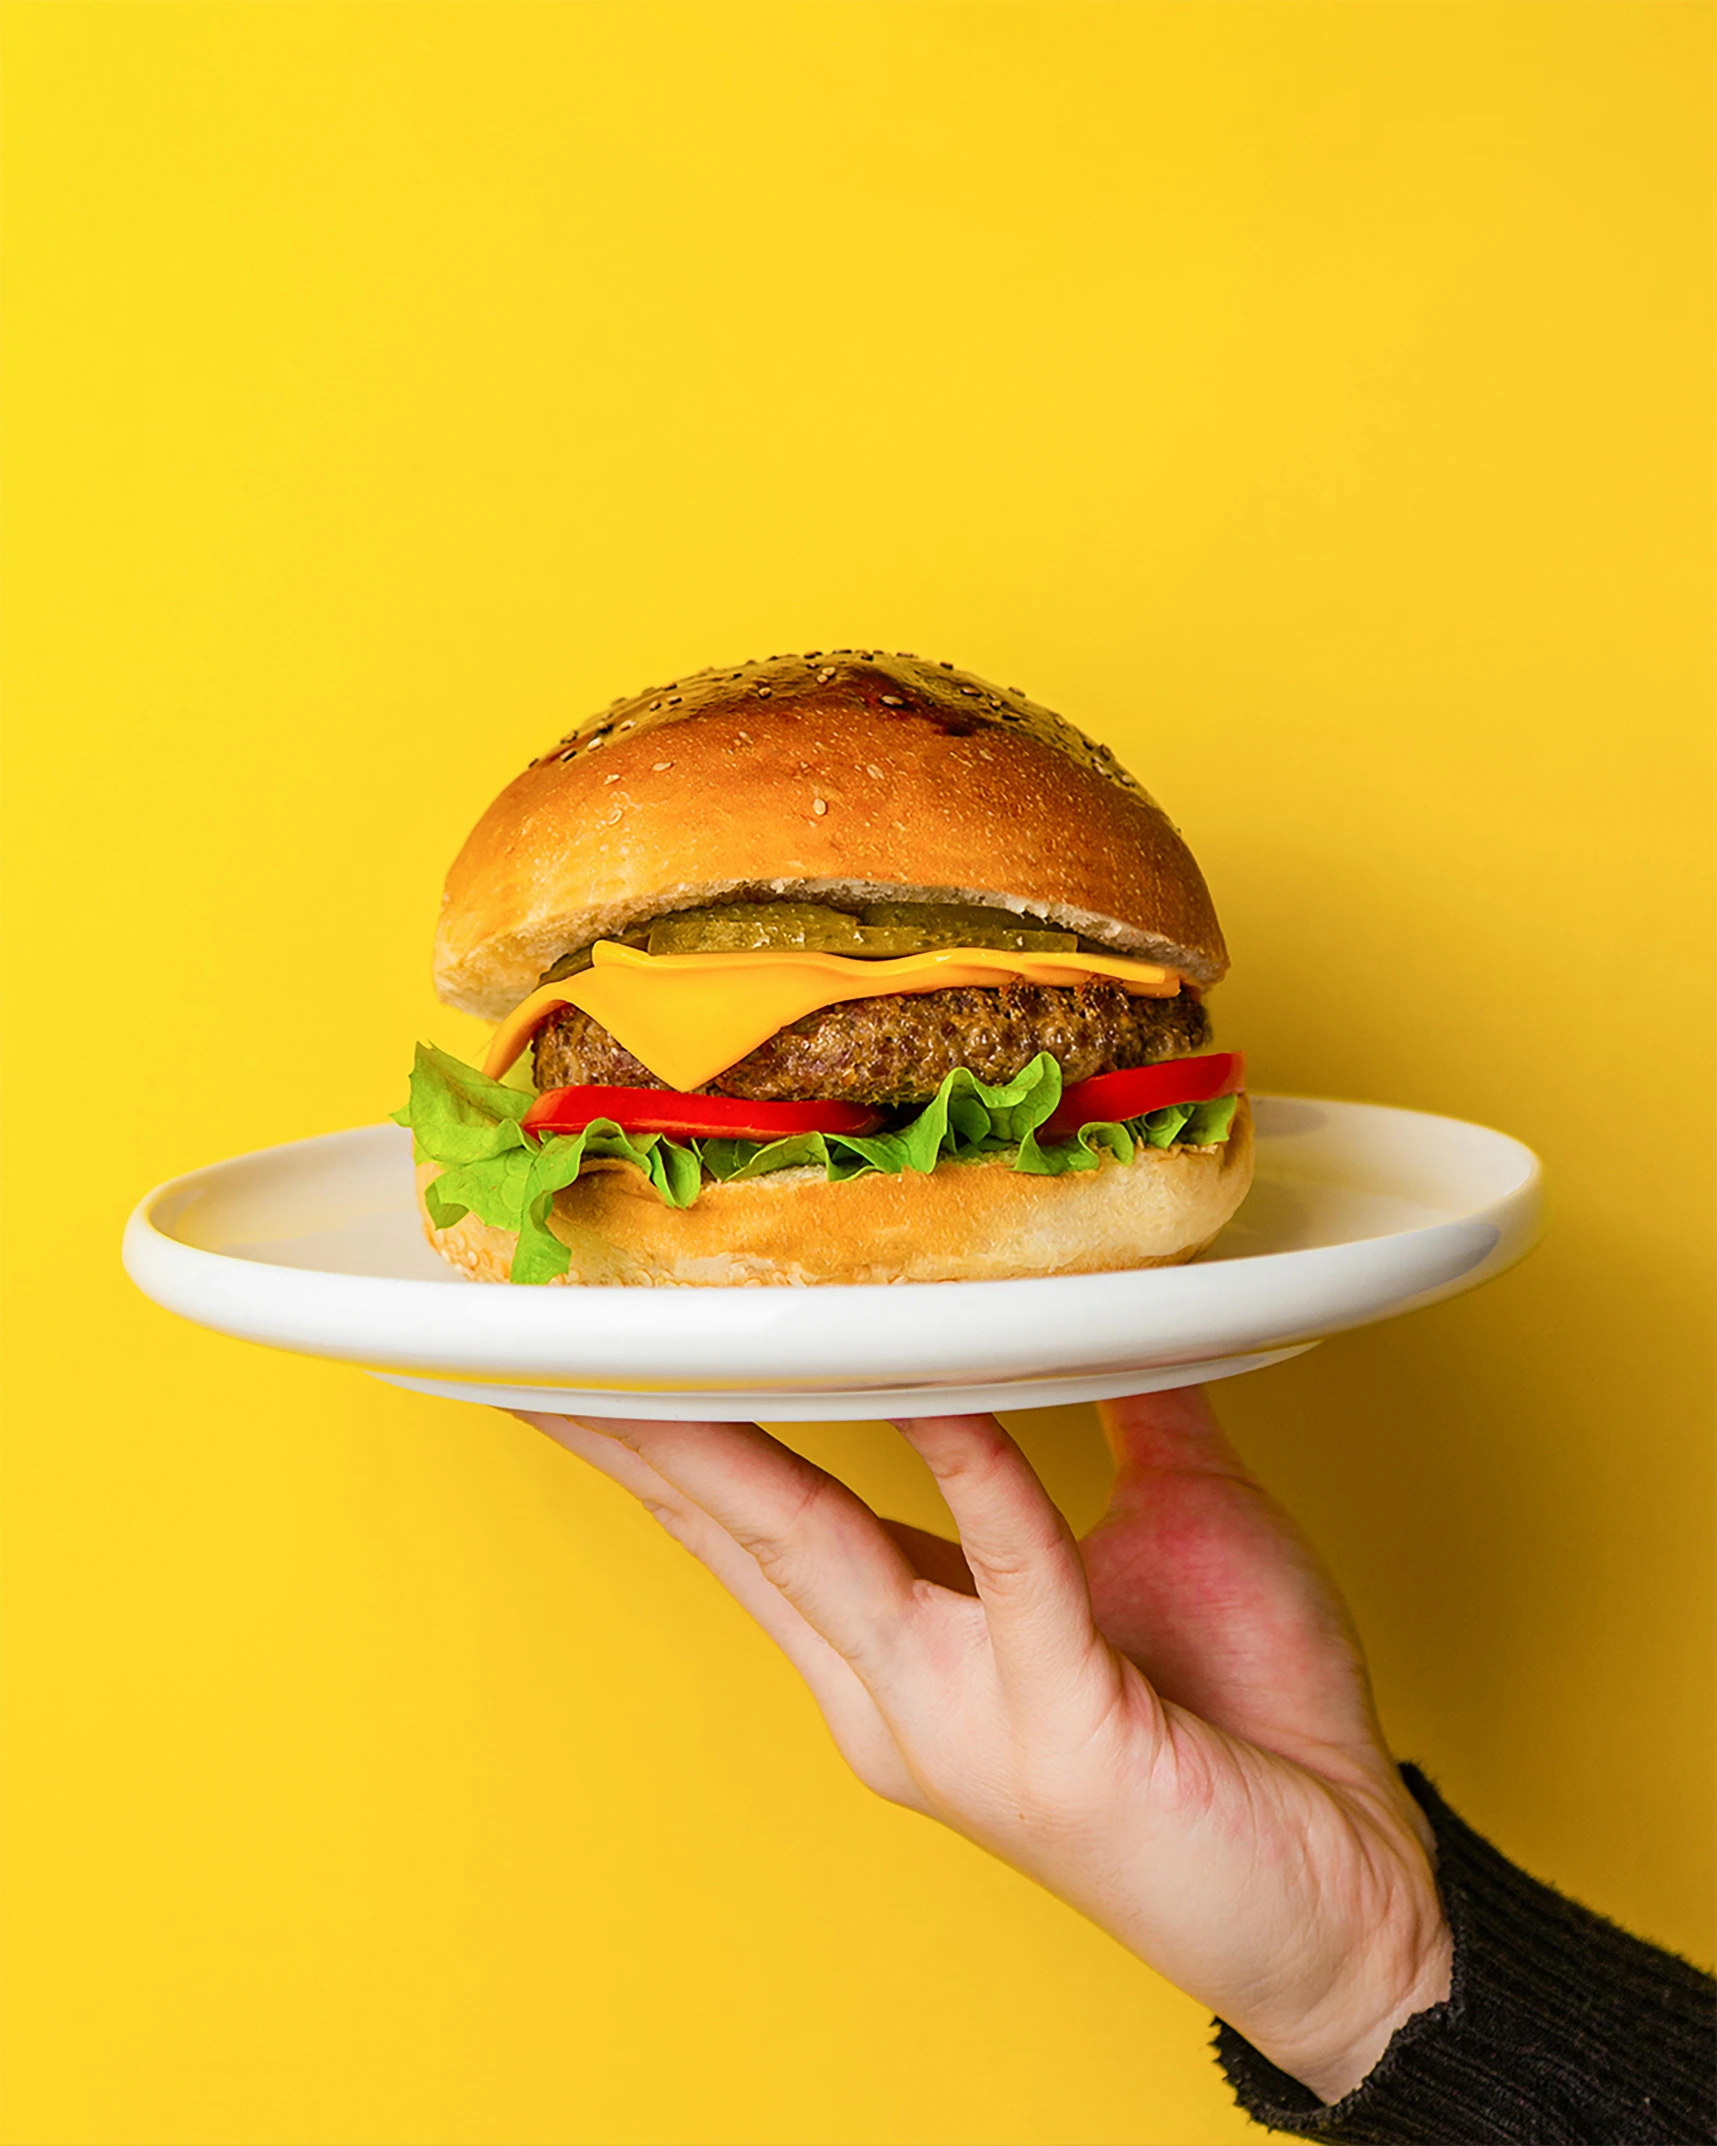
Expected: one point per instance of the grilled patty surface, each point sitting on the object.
(900, 1048)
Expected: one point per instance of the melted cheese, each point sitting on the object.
(689, 1017)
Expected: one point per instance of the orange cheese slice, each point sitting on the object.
(689, 1017)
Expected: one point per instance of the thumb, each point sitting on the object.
(1175, 1430)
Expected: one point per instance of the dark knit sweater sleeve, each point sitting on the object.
(1559, 2029)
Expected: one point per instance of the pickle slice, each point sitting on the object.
(572, 964)
(948, 924)
(575, 963)
(744, 927)
(882, 932)
(944, 915)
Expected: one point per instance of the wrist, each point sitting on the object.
(1334, 2048)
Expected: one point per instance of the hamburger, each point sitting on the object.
(837, 967)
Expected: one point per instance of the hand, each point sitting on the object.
(1168, 1726)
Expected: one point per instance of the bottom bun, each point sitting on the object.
(963, 1222)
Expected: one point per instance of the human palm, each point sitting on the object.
(1167, 1725)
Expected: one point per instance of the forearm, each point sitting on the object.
(1559, 2029)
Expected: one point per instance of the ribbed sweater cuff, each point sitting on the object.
(1559, 2029)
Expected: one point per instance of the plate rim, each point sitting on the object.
(770, 1348)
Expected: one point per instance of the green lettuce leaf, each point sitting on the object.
(492, 1168)
(1209, 1124)
(1182, 1124)
(453, 1109)
(966, 1118)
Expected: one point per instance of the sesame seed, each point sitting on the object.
(892, 700)
(573, 755)
(615, 777)
(824, 675)
(874, 772)
(970, 691)
(630, 720)
(947, 666)
(596, 741)
(673, 700)
(819, 805)
(662, 766)
(763, 692)
(654, 705)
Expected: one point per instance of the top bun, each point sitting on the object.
(851, 776)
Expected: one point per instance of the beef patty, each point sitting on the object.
(899, 1049)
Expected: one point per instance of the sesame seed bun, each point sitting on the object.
(962, 1222)
(852, 776)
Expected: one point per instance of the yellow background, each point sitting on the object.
(1312, 400)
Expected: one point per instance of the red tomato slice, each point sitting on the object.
(1110, 1097)
(664, 1110)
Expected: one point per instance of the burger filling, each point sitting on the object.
(1060, 1078)
(899, 1050)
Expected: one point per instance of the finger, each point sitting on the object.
(606, 1455)
(840, 1697)
(813, 1540)
(1019, 1549)
(934, 1557)
(1175, 1430)
(694, 1530)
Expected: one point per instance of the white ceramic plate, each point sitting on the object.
(1357, 1213)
